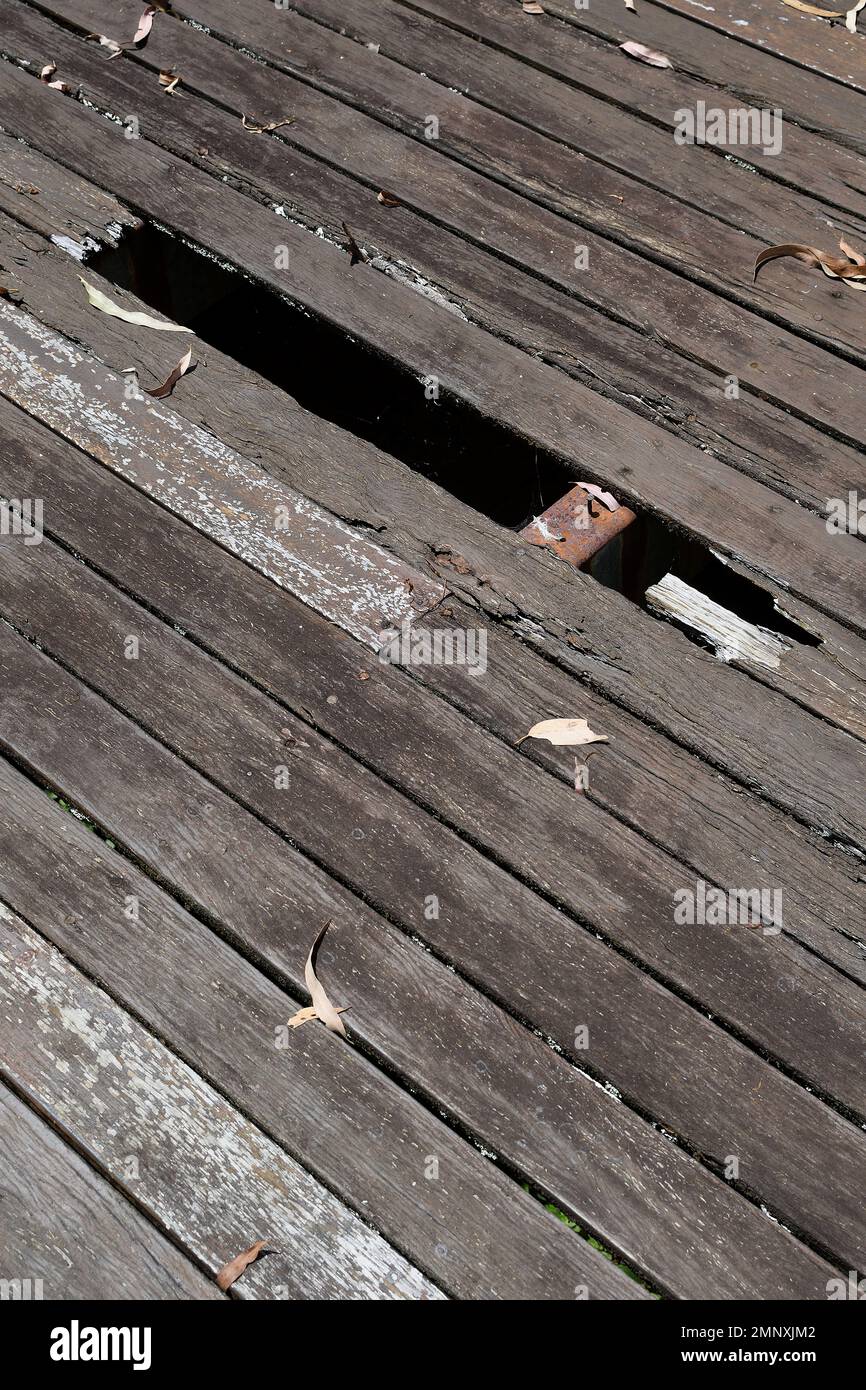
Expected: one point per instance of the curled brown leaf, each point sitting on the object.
(169, 81)
(174, 376)
(387, 199)
(232, 1271)
(851, 269)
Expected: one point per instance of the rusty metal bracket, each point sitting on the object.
(577, 527)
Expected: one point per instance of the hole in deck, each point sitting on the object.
(474, 459)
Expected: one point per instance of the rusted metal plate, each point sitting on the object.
(577, 527)
(304, 549)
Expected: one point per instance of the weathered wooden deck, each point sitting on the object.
(203, 758)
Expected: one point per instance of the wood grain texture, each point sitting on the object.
(174, 1145)
(667, 1056)
(476, 1232)
(609, 356)
(63, 1224)
(642, 462)
(348, 578)
(77, 216)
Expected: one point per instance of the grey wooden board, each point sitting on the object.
(714, 254)
(549, 984)
(642, 462)
(176, 1148)
(78, 217)
(475, 1232)
(829, 681)
(62, 1224)
(614, 359)
(347, 577)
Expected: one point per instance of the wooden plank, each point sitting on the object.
(305, 550)
(499, 165)
(69, 1229)
(475, 1232)
(756, 437)
(829, 681)
(581, 45)
(75, 215)
(679, 481)
(666, 1058)
(609, 130)
(723, 724)
(174, 1146)
(799, 39)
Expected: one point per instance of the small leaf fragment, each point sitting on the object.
(231, 1272)
(107, 306)
(160, 392)
(646, 55)
(564, 731)
(10, 295)
(606, 498)
(531, 7)
(389, 201)
(306, 1015)
(851, 17)
(169, 81)
(325, 1010)
(629, 4)
(114, 49)
(261, 127)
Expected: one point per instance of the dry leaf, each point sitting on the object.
(607, 498)
(531, 7)
(321, 1003)
(354, 250)
(169, 81)
(813, 9)
(10, 295)
(305, 1015)
(629, 4)
(260, 127)
(851, 270)
(145, 24)
(646, 55)
(232, 1271)
(389, 201)
(568, 731)
(107, 306)
(46, 75)
(114, 49)
(174, 376)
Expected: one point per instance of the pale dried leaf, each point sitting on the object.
(107, 306)
(646, 55)
(145, 24)
(169, 81)
(813, 9)
(606, 498)
(564, 731)
(325, 1010)
(174, 376)
(856, 256)
(531, 7)
(114, 49)
(232, 1271)
(307, 1015)
(629, 4)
